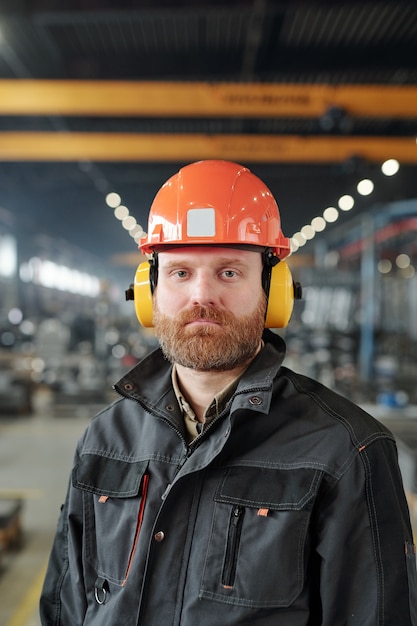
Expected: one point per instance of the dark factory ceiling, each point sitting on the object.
(97, 97)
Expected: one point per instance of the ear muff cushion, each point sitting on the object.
(281, 297)
(143, 295)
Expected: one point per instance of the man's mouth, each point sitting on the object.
(203, 321)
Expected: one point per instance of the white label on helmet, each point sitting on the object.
(201, 223)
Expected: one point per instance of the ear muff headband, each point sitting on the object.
(282, 292)
(153, 271)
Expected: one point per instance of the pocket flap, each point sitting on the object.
(276, 489)
(108, 477)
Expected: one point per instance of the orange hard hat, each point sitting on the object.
(215, 203)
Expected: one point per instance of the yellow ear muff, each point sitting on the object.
(143, 295)
(281, 297)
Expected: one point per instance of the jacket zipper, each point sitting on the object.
(196, 442)
(126, 395)
(232, 547)
(138, 526)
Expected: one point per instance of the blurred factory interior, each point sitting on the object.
(100, 102)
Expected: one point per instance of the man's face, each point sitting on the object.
(209, 306)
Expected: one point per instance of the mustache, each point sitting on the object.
(205, 312)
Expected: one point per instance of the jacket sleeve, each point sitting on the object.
(364, 542)
(63, 601)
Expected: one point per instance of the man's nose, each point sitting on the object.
(204, 290)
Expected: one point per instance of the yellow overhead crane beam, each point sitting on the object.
(100, 147)
(173, 99)
(198, 99)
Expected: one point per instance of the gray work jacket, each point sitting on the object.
(288, 510)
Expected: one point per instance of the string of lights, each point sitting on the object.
(345, 203)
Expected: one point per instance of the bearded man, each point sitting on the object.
(224, 489)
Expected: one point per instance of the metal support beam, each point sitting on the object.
(101, 147)
(179, 99)
(367, 338)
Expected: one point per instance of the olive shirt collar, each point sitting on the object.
(193, 426)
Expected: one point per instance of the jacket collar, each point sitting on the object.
(149, 382)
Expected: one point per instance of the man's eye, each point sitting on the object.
(180, 273)
(229, 273)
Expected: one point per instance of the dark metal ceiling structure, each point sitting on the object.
(249, 47)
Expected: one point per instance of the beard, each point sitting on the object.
(231, 343)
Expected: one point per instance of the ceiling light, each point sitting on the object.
(15, 316)
(384, 266)
(294, 245)
(113, 200)
(129, 222)
(319, 224)
(346, 203)
(402, 261)
(121, 212)
(136, 230)
(365, 187)
(390, 167)
(300, 239)
(330, 214)
(308, 232)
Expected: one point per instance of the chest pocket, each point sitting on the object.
(257, 547)
(114, 503)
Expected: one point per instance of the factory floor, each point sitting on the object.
(35, 460)
(36, 455)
